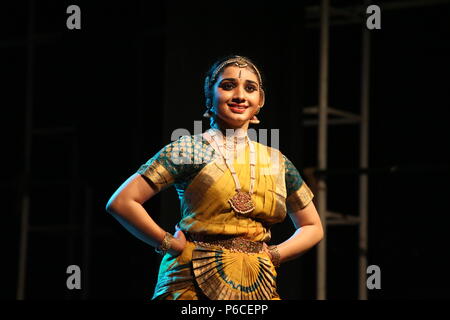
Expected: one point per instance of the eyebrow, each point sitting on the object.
(234, 79)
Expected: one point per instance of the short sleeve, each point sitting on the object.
(170, 164)
(298, 193)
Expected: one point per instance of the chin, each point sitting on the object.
(239, 117)
(235, 120)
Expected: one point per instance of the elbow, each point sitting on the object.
(109, 206)
(320, 238)
(119, 205)
(113, 205)
(320, 233)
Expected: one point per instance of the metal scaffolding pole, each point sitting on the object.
(25, 192)
(27, 182)
(323, 110)
(331, 16)
(73, 228)
(364, 162)
(322, 149)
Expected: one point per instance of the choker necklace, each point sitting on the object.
(241, 202)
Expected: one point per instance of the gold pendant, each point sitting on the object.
(242, 202)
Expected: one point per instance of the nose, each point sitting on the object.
(239, 94)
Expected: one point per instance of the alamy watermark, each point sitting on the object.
(374, 280)
(185, 155)
(74, 20)
(74, 280)
(374, 20)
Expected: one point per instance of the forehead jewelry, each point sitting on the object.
(239, 62)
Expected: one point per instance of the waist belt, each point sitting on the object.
(239, 244)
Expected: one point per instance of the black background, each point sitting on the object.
(134, 73)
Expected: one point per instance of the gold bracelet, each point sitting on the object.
(275, 255)
(165, 245)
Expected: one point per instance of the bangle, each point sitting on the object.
(275, 255)
(165, 245)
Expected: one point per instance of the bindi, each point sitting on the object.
(240, 73)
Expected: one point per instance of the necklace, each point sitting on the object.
(241, 202)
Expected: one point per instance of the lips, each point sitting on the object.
(237, 107)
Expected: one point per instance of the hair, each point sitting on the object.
(218, 67)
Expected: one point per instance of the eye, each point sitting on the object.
(227, 86)
(251, 88)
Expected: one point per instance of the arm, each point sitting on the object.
(308, 233)
(126, 206)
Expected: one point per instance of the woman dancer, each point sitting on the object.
(231, 189)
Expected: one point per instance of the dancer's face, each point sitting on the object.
(236, 96)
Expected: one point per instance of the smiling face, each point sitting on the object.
(236, 97)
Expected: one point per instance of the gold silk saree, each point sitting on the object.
(204, 185)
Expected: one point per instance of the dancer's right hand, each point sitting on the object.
(178, 243)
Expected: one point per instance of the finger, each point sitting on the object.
(179, 234)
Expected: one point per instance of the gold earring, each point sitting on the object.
(207, 113)
(255, 120)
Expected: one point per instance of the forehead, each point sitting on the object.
(235, 72)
